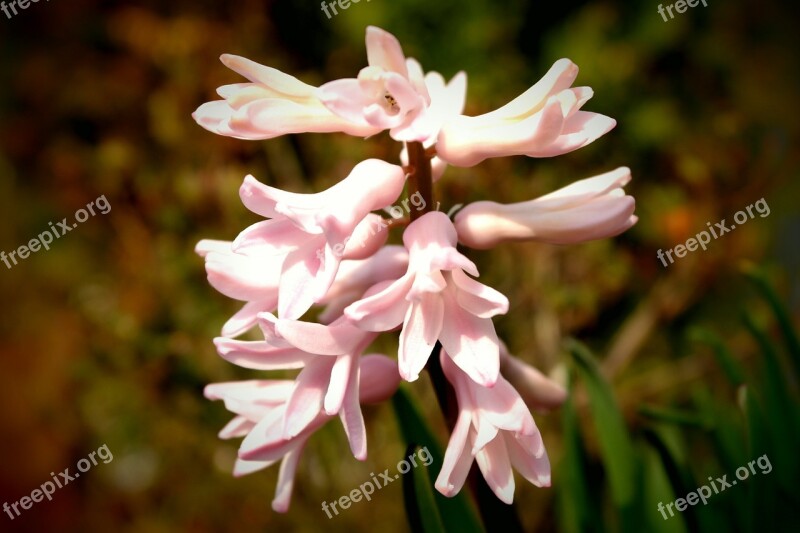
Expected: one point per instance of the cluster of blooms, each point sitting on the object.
(319, 249)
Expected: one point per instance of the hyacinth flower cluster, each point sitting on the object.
(323, 251)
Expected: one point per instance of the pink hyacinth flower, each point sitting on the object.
(260, 407)
(593, 208)
(544, 121)
(328, 381)
(272, 104)
(435, 299)
(494, 428)
(312, 233)
(249, 279)
(393, 93)
(356, 276)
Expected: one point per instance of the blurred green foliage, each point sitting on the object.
(106, 338)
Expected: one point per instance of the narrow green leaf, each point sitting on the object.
(675, 416)
(780, 413)
(616, 447)
(421, 508)
(759, 280)
(456, 513)
(577, 509)
(725, 359)
(658, 493)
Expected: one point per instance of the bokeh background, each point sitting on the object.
(106, 338)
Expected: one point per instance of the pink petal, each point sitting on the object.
(582, 129)
(421, 328)
(306, 401)
(260, 355)
(384, 51)
(345, 99)
(477, 298)
(338, 338)
(367, 239)
(495, 466)
(352, 419)
(296, 291)
(242, 468)
(535, 469)
(246, 317)
(457, 457)
(271, 117)
(283, 492)
(270, 237)
(503, 408)
(384, 310)
(276, 80)
(339, 381)
(239, 426)
(560, 76)
(206, 246)
(471, 342)
(241, 277)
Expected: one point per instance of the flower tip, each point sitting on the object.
(280, 506)
(565, 65)
(221, 344)
(446, 489)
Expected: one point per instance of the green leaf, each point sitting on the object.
(577, 509)
(420, 502)
(675, 416)
(658, 492)
(615, 444)
(725, 359)
(757, 277)
(456, 513)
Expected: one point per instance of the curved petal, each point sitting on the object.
(306, 401)
(384, 51)
(457, 457)
(296, 292)
(242, 468)
(384, 310)
(421, 328)
(247, 316)
(260, 355)
(472, 343)
(535, 469)
(495, 465)
(352, 419)
(477, 298)
(283, 492)
(338, 338)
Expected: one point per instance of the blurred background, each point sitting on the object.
(106, 337)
